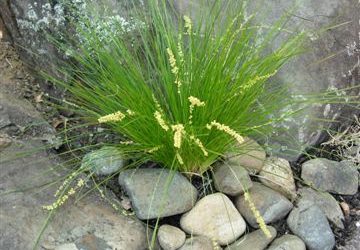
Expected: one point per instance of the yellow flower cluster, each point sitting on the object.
(174, 68)
(114, 117)
(199, 144)
(193, 103)
(161, 121)
(226, 129)
(259, 218)
(188, 25)
(179, 131)
(61, 200)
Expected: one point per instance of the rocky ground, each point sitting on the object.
(91, 223)
(27, 173)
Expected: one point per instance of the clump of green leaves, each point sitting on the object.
(184, 90)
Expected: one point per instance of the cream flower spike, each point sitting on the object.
(227, 130)
(114, 117)
(179, 131)
(161, 121)
(174, 68)
(194, 101)
(188, 25)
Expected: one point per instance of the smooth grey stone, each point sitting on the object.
(287, 242)
(158, 192)
(331, 176)
(215, 217)
(256, 240)
(272, 205)
(249, 155)
(104, 161)
(231, 179)
(90, 242)
(198, 243)
(326, 202)
(310, 223)
(170, 237)
(277, 175)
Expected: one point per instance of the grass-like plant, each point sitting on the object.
(183, 92)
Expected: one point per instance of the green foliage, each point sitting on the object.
(184, 91)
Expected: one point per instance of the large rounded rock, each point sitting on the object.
(170, 237)
(231, 179)
(256, 240)
(326, 203)
(331, 176)
(272, 205)
(104, 161)
(249, 155)
(309, 223)
(288, 242)
(198, 243)
(158, 193)
(216, 217)
(277, 174)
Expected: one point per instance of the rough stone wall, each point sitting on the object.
(26, 22)
(29, 23)
(331, 63)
